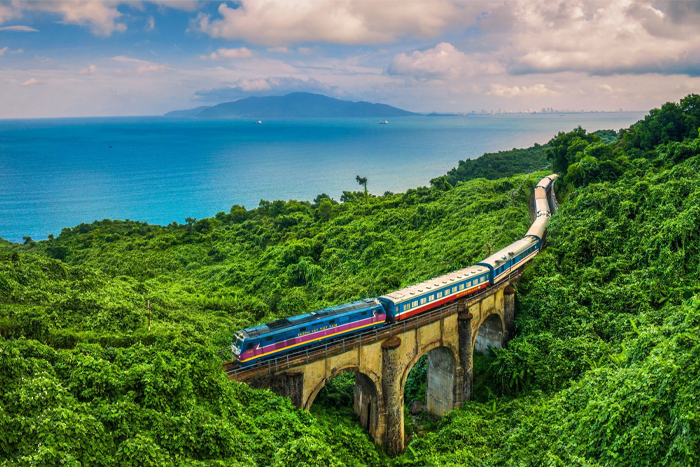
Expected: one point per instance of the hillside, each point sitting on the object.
(75, 327)
(604, 368)
(294, 105)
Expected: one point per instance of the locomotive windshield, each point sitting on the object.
(237, 342)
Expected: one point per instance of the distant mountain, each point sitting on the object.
(297, 104)
(187, 113)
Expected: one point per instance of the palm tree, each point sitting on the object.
(363, 181)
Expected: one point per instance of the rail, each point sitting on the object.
(337, 346)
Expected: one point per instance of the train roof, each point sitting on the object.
(286, 323)
(508, 252)
(412, 291)
(546, 181)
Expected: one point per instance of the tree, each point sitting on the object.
(363, 181)
(325, 209)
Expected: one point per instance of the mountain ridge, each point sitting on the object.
(293, 105)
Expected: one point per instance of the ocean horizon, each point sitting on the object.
(57, 173)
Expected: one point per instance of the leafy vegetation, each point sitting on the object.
(85, 381)
(604, 368)
(495, 165)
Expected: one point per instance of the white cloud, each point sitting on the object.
(152, 68)
(144, 66)
(536, 90)
(125, 59)
(304, 50)
(32, 81)
(89, 70)
(150, 24)
(18, 51)
(222, 54)
(3, 50)
(100, 16)
(280, 50)
(7, 13)
(619, 36)
(284, 22)
(443, 61)
(18, 28)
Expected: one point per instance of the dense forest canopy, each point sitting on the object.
(604, 368)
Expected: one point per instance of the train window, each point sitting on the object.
(364, 313)
(422, 300)
(268, 338)
(333, 321)
(407, 306)
(431, 298)
(302, 330)
(439, 295)
(249, 346)
(414, 304)
(461, 286)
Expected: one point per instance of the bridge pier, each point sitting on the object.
(508, 312)
(466, 357)
(393, 396)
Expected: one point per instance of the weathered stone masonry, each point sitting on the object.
(382, 366)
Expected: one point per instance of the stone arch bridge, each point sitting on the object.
(382, 360)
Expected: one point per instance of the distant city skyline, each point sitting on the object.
(69, 58)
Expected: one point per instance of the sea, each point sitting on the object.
(57, 173)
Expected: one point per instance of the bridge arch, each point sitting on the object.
(366, 396)
(490, 333)
(441, 377)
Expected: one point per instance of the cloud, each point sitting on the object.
(222, 54)
(32, 81)
(150, 24)
(18, 28)
(144, 66)
(125, 59)
(7, 13)
(100, 16)
(272, 86)
(304, 50)
(557, 36)
(18, 51)
(284, 22)
(152, 68)
(89, 70)
(281, 50)
(604, 38)
(3, 50)
(536, 90)
(443, 61)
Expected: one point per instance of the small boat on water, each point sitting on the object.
(383, 122)
(258, 122)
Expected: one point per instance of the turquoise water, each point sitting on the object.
(59, 173)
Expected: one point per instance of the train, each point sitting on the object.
(259, 343)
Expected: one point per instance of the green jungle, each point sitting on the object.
(112, 331)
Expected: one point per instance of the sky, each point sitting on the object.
(75, 58)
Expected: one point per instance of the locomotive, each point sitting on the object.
(258, 343)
